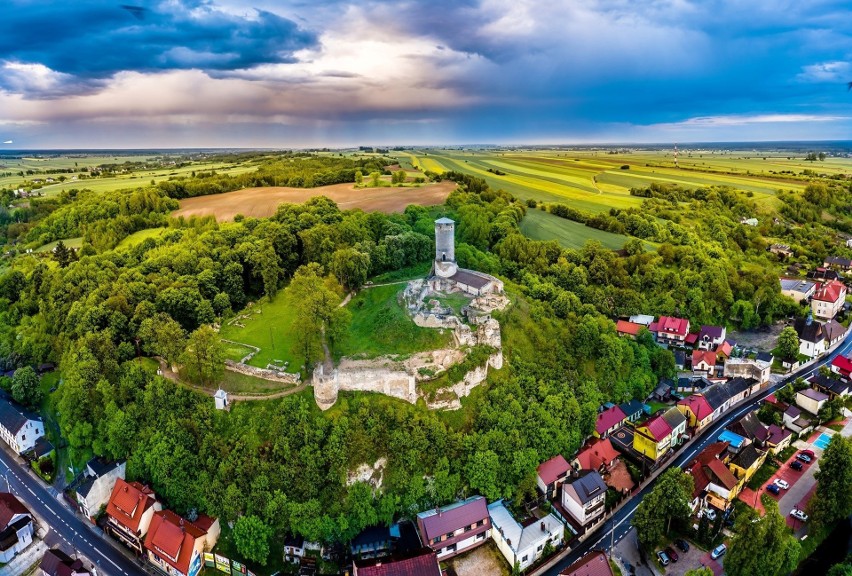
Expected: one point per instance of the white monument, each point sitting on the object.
(221, 399)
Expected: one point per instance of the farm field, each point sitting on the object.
(139, 236)
(262, 202)
(70, 243)
(540, 225)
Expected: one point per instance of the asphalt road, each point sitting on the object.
(67, 530)
(602, 538)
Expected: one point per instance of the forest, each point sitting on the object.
(283, 465)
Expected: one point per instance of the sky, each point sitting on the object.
(302, 73)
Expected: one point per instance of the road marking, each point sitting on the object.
(108, 559)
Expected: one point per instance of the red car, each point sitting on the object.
(809, 453)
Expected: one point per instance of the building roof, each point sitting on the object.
(551, 470)
(838, 261)
(751, 427)
(765, 357)
(731, 438)
(746, 457)
(128, 502)
(777, 434)
(674, 417)
(595, 563)
(85, 487)
(101, 466)
(832, 384)
(792, 412)
(55, 562)
(823, 274)
(738, 385)
(471, 278)
(632, 407)
(843, 364)
(809, 330)
(518, 537)
(692, 338)
(423, 562)
(833, 330)
(625, 327)
(673, 325)
(711, 332)
(457, 515)
(715, 395)
(588, 485)
(725, 349)
(801, 286)
(444, 220)
(172, 539)
(10, 507)
(814, 395)
(713, 468)
(707, 356)
(596, 454)
(658, 428)
(698, 405)
(609, 418)
(643, 319)
(680, 357)
(830, 291)
(13, 416)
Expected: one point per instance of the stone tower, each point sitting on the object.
(445, 248)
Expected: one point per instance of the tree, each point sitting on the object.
(204, 356)
(762, 546)
(318, 315)
(669, 500)
(833, 498)
(788, 343)
(703, 571)
(399, 177)
(62, 254)
(351, 267)
(163, 337)
(251, 537)
(25, 386)
(844, 569)
(375, 179)
(359, 178)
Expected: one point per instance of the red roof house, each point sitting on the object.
(423, 562)
(697, 410)
(175, 542)
(658, 428)
(596, 455)
(703, 361)
(842, 365)
(828, 299)
(551, 473)
(130, 509)
(608, 421)
(626, 328)
(671, 330)
(595, 563)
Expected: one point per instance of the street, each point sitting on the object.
(614, 529)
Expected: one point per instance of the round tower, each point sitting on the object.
(445, 248)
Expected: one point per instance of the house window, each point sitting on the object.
(540, 546)
(524, 559)
(435, 540)
(480, 536)
(481, 522)
(24, 437)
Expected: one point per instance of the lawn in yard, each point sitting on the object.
(763, 474)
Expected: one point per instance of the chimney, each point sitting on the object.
(543, 529)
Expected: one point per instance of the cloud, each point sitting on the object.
(744, 120)
(835, 71)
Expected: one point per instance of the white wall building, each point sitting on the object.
(16, 527)
(519, 544)
(584, 497)
(95, 491)
(19, 428)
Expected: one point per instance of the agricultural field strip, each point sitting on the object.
(540, 225)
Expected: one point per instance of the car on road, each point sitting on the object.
(773, 488)
(663, 558)
(682, 545)
(671, 554)
(803, 457)
(796, 465)
(781, 484)
(718, 551)
(799, 515)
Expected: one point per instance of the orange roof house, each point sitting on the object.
(130, 509)
(596, 455)
(175, 542)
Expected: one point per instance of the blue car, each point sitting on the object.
(773, 488)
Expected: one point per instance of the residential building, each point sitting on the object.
(724, 351)
(749, 221)
(633, 410)
(833, 387)
(794, 420)
(551, 474)
(751, 428)
(423, 562)
(653, 439)
(781, 250)
(583, 497)
(746, 463)
(643, 319)
(55, 562)
(798, 290)
(19, 428)
(595, 563)
(628, 329)
(849, 243)
(838, 263)
(811, 400)
(778, 438)
(680, 359)
(677, 422)
(294, 548)
(823, 274)
(373, 542)
(842, 365)
(759, 370)
(670, 330)
(130, 510)
(717, 397)
(710, 337)
(94, 492)
(828, 299)
(176, 546)
(715, 485)
(609, 420)
(738, 388)
(455, 528)
(812, 338)
(523, 544)
(697, 411)
(16, 527)
(734, 440)
(597, 455)
(704, 361)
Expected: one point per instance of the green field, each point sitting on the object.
(540, 225)
(138, 237)
(70, 243)
(381, 326)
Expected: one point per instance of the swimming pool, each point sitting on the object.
(822, 441)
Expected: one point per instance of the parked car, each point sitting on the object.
(709, 513)
(799, 515)
(773, 488)
(718, 551)
(781, 484)
(663, 558)
(796, 465)
(682, 545)
(809, 453)
(671, 554)
(804, 458)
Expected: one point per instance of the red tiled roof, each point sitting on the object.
(725, 477)
(672, 325)
(708, 468)
(698, 405)
(597, 454)
(172, 539)
(691, 338)
(658, 428)
(708, 356)
(128, 502)
(725, 349)
(552, 469)
(594, 563)
(626, 327)
(609, 418)
(10, 507)
(831, 291)
(423, 563)
(843, 364)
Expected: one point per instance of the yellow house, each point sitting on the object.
(697, 410)
(653, 438)
(746, 463)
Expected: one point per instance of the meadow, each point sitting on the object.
(540, 225)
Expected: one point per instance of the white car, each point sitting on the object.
(781, 483)
(709, 513)
(799, 515)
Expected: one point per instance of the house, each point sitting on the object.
(849, 243)
(738, 388)
(420, 562)
(519, 544)
(828, 299)
(671, 330)
(795, 421)
(798, 290)
(778, 438)
(595, 563)
(697, 411)
(633, 410)
(583, 497)
(643, 319)
(456, 528)
(294, 548)
(677, 422)
(628, 329)
(608, 421)
(824, 274)
(724, 350)
(551, 474)
(717, 397)
(704, 361)
(663, 391)
(751, 428)
(596, 455)
(833, 387)
(842, 365)
(709, 337)
(94, 492)
(734, 440)
(811, 400)
(812, 342)
(653, 438)
(755, 369)
(749, 221)
(55, 562)
(19, 427)
(746, 463)
(176, 545)
(781, 250)
(16, 527)
(838, 263)
(715, 485)
(130, 510)
(220, 399)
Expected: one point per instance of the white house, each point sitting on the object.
(583, 497)
(16, 527)
(811, 400)
(520, 544)
(812, 337)
(19, 428)
(95, 491)
(828, 299)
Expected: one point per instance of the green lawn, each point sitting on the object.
(69, 242)
(454, 301)
(237, 383)
(540, 225)
(381, 326)
(47, 409)
(138, 237)
(236, 352)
